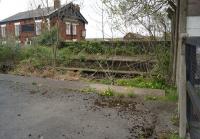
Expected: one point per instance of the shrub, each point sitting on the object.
(32, 62)
(65, 56)
(47, 38)
(39, 52)
(113, 48)
(8, 52)
(163, 61)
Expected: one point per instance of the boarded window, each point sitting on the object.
(28, 28)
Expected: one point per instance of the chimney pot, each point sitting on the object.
(57, 4)
(77, 7)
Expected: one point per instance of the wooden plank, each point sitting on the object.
(120, 58)
(103, 71)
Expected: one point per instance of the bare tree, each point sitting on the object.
(148, 14)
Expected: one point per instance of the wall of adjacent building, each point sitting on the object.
(193, 18)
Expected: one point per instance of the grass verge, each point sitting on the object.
(141, 82)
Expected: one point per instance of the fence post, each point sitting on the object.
(182, 90)
(182, 68)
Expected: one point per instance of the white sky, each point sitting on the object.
(88, 9)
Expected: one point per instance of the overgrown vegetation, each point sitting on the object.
(47, 38)
(113, 48)
(143, 82)
(38, 57)
(81, 50)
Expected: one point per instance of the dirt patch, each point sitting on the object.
(116, 102)
(47, 72)
(144, 122)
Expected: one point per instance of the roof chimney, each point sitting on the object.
(39, 6)
(57, 4)
(77, 7)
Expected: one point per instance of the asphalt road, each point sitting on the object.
(35, 108)
(29, 111)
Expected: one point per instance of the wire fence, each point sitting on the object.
(193, 86)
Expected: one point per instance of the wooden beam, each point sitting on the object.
(182, 68)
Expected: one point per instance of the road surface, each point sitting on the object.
(35, 108)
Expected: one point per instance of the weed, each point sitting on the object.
(169, 136)
(109, 92)
(106, 81)
(174, 136)
(141, 82)
(175, 120)
(153, 83)
(171, 93)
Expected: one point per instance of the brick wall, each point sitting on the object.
(24, 35)
(10, 30)
(62, 30)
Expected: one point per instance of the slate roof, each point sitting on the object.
(37, 13)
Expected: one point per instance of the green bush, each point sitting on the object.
(65, 56)
(32, 62)
(39, 52)
(114, 48)
(47, 38)
(9, 53)
(6, 53)
(163, 61)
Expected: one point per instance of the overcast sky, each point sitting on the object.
(89, 9)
